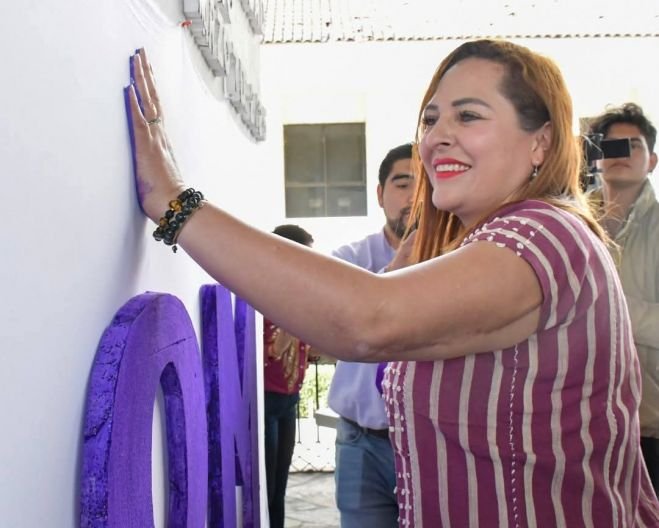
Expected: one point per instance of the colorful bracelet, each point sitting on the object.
(180, 210)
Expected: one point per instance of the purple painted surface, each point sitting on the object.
(131, 137)
(150, 341)
(246, 348)
(140, 187)
(229, 355)
(131, 68)
(379, 375)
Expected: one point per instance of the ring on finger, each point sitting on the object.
(154, 121)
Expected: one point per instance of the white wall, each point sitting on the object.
(382, 83)
(74, 246)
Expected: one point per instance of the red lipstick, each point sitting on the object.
(446, 168)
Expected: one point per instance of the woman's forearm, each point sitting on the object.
(275, 276)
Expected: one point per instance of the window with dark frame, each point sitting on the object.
(325, 170)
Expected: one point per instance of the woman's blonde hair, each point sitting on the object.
(535, 87)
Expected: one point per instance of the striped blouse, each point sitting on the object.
(544, 433)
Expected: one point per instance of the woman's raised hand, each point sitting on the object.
(156, 174)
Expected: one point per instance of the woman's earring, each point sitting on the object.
(534, 174)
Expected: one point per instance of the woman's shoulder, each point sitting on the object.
(528, 208)
(541, 213)
(537, 221)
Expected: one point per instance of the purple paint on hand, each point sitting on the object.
(140, 187)
(132, 80)
(150, 341)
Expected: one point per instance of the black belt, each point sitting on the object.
(380, 433)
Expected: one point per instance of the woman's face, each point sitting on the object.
(472, 147)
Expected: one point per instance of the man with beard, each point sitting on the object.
(631, 218)
(365, 476)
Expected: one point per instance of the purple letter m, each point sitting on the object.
(229, 356)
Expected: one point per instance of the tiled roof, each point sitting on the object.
(383, 20)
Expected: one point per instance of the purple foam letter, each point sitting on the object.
(229, 355)
(150, 340)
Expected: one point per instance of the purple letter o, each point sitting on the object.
(150, 341)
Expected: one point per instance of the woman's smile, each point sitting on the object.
(446, 168)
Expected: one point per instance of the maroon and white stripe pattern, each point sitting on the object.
(541, 434)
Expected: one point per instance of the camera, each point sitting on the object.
(595, 147)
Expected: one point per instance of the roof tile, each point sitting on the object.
(387, 20)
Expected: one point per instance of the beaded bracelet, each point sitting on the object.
(180, 210)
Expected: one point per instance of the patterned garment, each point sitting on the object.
(541, 434)
(284, 372)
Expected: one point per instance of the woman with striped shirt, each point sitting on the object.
(514, 386)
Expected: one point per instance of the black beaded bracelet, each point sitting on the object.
(180, 210)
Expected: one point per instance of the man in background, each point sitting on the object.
(630, 215)
(365, 475)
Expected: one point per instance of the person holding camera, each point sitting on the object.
(630, 215)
